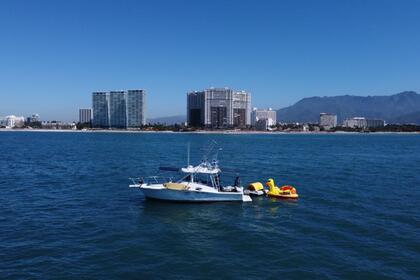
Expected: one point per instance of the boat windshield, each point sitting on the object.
(211, 180)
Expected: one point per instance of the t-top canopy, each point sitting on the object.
(204, 169)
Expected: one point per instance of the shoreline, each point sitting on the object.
(224, 132)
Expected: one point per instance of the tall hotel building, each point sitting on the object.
(219, 108)
(119, 109)
(136, 108)
(100, 109)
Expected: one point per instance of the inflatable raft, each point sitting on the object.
(255, 189)
(286, 191)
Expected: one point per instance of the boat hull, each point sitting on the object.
(192, 196)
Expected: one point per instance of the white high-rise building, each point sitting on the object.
(263, 118)
(12, 121)
(219, 108)
(327, 121)
(361, 122)
(356, 122)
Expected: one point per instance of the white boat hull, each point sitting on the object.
(192, 195)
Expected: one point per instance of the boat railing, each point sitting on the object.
(151, 180)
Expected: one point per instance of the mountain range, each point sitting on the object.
(401, 108)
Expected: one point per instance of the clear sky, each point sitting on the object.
(53, 54)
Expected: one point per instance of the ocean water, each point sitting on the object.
(66, 211)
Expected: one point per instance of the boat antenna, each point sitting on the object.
(216, 154)
(210, 149)
(188, 153)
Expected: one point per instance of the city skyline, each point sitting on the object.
(225, 108)
(55, 54)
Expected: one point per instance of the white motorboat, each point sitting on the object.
(199, 183)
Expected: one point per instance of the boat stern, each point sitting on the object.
(246, 198)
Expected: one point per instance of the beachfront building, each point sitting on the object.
(195, 109)
(100, 109)
(3, 122)
(136, 108)
(34, 118)
(356, 122)
(85, 115)
(119, 109)
(219, 108)
(327, 121)
(12, 122)
(373, 123)
(361, 122)
(58, 125)
(263, 119)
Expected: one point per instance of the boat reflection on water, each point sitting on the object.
(191, 217)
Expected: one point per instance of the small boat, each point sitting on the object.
(286, 191)
(256, 189)
(200, 183)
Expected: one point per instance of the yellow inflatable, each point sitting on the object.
(282, 192)
(255, 189)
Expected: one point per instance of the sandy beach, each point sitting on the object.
(225, 132)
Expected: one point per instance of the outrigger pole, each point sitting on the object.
(188, 154)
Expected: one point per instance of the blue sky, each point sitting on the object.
(53, 54)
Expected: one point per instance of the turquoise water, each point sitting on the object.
(66, 210)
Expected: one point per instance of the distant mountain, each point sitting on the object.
(168, 120)
(403, 107)
(412, 118)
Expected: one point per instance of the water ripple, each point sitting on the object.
(66, 210)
